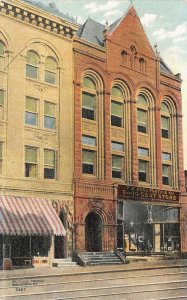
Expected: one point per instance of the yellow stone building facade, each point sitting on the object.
(36, 122)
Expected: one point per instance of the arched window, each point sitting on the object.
(2, 48)
(142, 113)
(165, 120)
(32, 63)
(50, 70)
(117, 107)
(89, 99)
(169, 143)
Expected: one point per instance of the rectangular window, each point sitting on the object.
(88, 162)
(88, 140)
(166, 174)
(88, 106)
(49, 164)
(143, 151)
(142, 120)
(49, 115)
(120, 209)
(1, 157)
(31, 72)
(31, 112)
(50, 77)
(2, 100)
(116, 114)
(143, 170)
(116, 146)
(31, 162)
(166, 156)
(165, 127)
(117, 166)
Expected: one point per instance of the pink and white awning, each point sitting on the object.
(28, 216)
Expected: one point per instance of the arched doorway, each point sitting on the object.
(93, 232)
(61, 241)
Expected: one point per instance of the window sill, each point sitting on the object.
(40, 129)
(41, 82)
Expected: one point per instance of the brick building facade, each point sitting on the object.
(129, 176)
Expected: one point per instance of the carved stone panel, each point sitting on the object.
(41, 136)
(117, 133)
(86, 126)
(166, 146)
(143, 140)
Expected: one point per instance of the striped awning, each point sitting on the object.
(28, 216)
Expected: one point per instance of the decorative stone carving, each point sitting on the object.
(41, 88)
(89, 127)
(142, 139)
(117, 133)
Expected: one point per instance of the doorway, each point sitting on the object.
(61, 241)
(93, 232)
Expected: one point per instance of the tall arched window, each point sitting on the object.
(89, 99)
(146, 138)
(32, 62)
(169, 143)
(50, 70)
(117, 107)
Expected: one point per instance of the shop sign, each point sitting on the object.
(136, 193)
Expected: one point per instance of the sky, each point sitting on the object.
(164, 21)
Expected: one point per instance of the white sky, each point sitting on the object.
(165, 22)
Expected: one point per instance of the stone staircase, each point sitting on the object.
(64, 262)
(100, 258)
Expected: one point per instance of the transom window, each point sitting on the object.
(166, 156)
(2, 100)
(88, 162)
(31, 166)
(117, 166)
(32, 63)
(116, 146)
(143, 170)
(31, 112)
(88, 140)
(50, 70)
(49, 115)
(143, 151)
(49, 164)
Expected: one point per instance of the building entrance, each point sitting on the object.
(61, 241)
(93, 232)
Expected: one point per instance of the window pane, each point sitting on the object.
(142, 116)
(116, 91)
(142, 100)
(116, 161)
(164, 108)
(49, 157)
(49, 109)
(50, 64)
(31, 72)
(88, 156)
(142, 166)
(2, 93)
(2, 48)
(89, 83)
(1, 112)
(117, 146)
(88, 140)
(49, 122)
(117, 109)
(50, 77)
(32, 58)
(31, 155)
(31, 104)
(166, 156)
(165, 170)
(165, 122)
(143, 151)
(49, 173)
(31, 118)
(88, 101)
(30, 170)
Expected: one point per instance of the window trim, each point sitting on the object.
(54, 167)
(31, 163)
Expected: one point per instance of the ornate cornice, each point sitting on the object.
(36, 19)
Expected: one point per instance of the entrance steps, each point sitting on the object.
(99, 258)
(64, 262)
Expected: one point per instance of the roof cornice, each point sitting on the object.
(35, 16)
